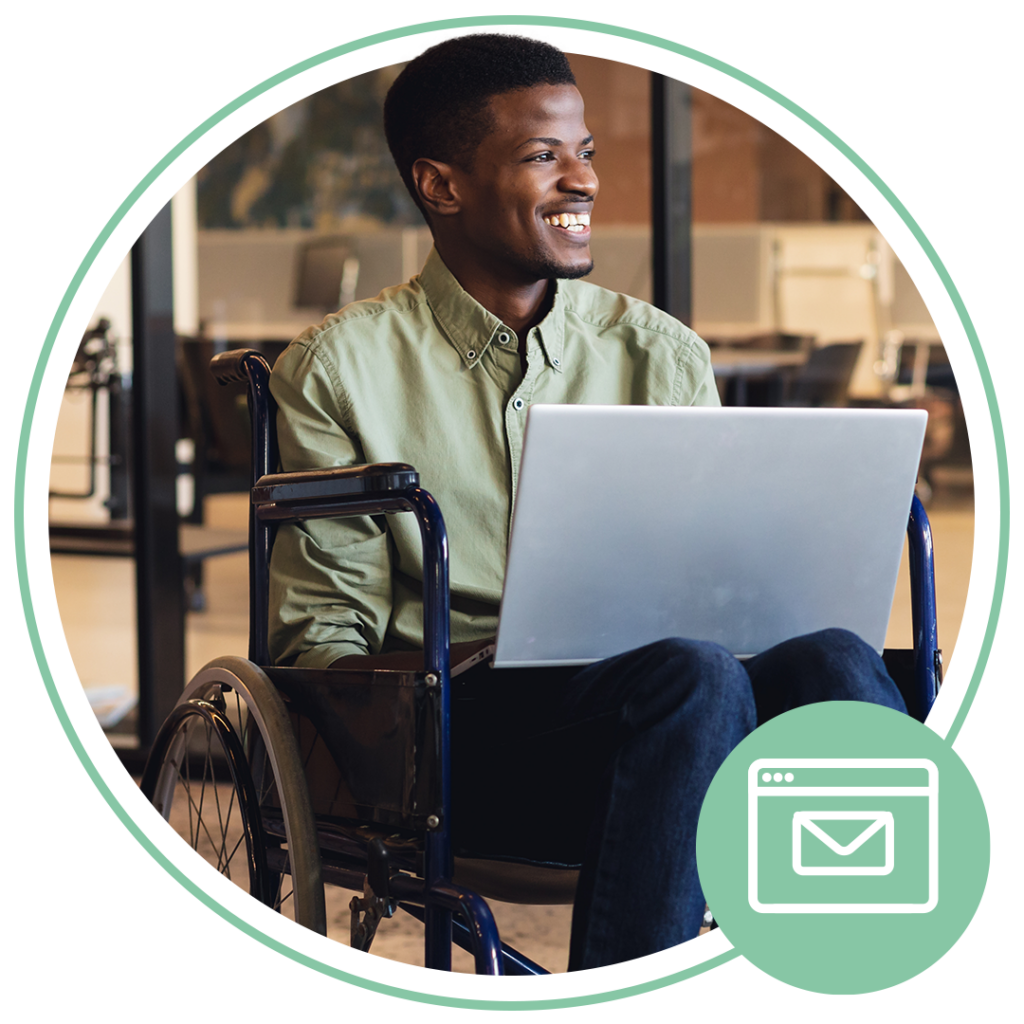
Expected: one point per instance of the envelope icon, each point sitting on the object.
(833, 843)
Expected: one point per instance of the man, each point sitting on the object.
(604, 766)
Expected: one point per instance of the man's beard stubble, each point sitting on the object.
(545, 267)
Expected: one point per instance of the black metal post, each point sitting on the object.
(159, 593)
(671, 196)
(120, 399)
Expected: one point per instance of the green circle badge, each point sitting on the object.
(843, 847)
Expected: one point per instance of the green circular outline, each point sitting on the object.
(140, 189)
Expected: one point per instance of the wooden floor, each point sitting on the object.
(96, 600)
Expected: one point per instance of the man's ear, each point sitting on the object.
(433, 181)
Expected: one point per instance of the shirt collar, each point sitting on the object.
(470, 328)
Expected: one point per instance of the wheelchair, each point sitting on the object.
(301, 777)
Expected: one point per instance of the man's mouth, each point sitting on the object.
(572, 222)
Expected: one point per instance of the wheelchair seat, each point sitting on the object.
(343, 775)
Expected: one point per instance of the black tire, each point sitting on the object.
(225, 771)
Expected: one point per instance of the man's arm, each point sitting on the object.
(330, 580)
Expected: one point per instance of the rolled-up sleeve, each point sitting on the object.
(330, 580)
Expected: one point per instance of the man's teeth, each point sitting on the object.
(570, 221)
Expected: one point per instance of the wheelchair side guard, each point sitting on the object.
(369, 740)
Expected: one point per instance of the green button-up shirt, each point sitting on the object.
(424, 374)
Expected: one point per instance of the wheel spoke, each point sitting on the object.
(202, 805)
(282, 900)
(208, 764)
(238, 843)
(225, 858)
(201, 824)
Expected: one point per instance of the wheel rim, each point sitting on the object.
(247, 717)
(203, 790)
(280, 891)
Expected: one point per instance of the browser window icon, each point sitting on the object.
(848, 836)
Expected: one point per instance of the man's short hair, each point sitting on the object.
(438, 106)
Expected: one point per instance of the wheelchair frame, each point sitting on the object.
(413, 867)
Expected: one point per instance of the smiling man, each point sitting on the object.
(516, 214)
(603, 766)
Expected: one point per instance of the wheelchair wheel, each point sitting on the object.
(225, 771)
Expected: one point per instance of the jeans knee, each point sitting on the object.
(833, 664)
(835, 653)
(703, 675)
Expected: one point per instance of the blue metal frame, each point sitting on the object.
(927, 656)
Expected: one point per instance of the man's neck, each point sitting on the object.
(520, 305)
(521, 309)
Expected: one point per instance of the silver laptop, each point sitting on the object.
(742, 526)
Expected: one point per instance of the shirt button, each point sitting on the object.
(471, 354)
(556, 362)
(517, 404)
(504, 338)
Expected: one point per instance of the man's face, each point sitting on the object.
(526, 201)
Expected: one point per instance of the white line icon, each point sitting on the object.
(875, 821)
(843, 836)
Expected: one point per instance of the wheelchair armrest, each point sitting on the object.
(321, 493)
(352, 491)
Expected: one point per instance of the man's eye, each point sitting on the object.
(587, 154)
(542, 157)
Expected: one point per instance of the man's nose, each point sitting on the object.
(579, 177)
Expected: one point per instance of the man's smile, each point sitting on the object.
(575, 223)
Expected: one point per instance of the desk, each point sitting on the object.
(741, 364)
(195, 543)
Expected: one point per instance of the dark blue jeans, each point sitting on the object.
(606, 766)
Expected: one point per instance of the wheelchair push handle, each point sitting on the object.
(236, 366)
